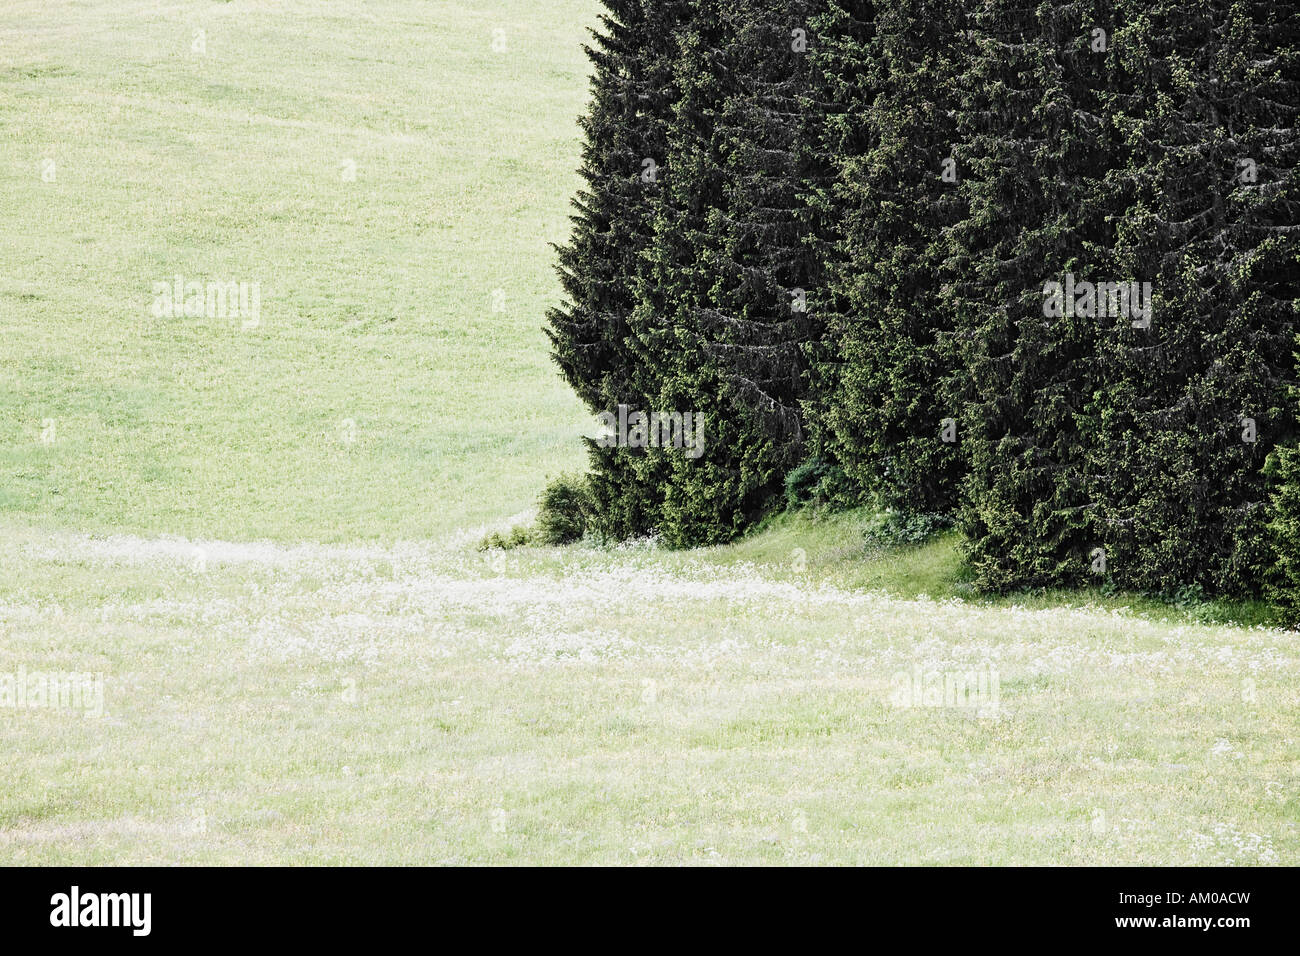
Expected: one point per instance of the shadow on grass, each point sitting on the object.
(837, 548)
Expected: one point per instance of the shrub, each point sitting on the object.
(565, 510)
(892, 528)
(818, 482)
(516, 537)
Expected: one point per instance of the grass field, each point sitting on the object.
(397, 383)
(429, 703)
(261, 541)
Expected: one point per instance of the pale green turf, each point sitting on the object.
(421, 704)
(428, 702)
(377, 295)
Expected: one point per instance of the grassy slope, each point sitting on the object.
(376, 294)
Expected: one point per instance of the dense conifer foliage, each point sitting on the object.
(1033, 153)
(1205, 110)
(602, 352)
(1030, 268)
(884, 421)
(691, 277)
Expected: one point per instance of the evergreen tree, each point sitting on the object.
(1033, 151)
(884, 420)
(1195, 403)
(594, 339)
(730, 301)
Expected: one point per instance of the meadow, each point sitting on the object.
(392, 183)
(265, 540)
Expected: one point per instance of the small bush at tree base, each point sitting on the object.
(889, 528)
(565, 510)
